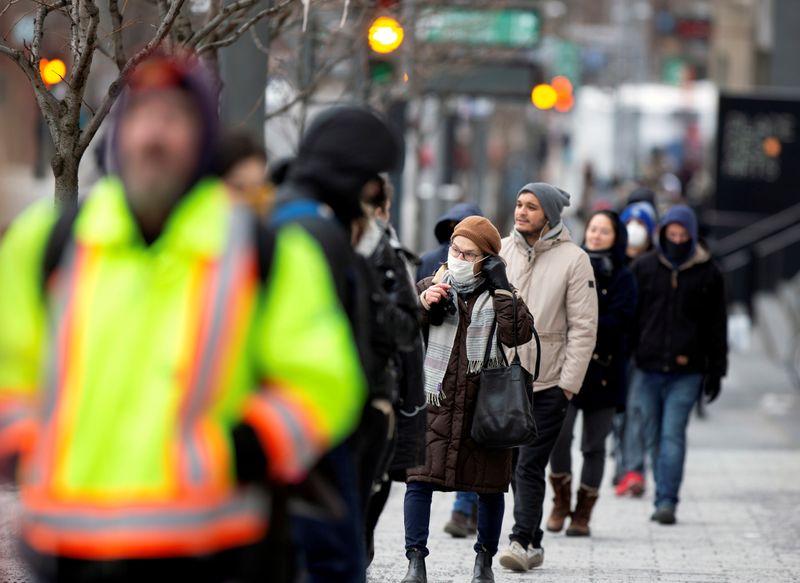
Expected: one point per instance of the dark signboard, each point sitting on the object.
(758, 153)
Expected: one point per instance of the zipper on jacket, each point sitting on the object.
(673, 293)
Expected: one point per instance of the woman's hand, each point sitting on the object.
(494, 270)
(436, 293)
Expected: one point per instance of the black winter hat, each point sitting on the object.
(342, 150)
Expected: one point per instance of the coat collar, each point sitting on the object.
(193, 226)
(701, 255)
(556, 236)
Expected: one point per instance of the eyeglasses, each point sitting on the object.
(470, 256)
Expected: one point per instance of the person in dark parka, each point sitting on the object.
(435, 258)
(680, 347)
(603, 391)
(460, 303)
(341, 153)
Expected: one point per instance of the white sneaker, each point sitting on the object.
(515, 558)
(535, 557)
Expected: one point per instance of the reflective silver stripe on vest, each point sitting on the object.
(240, 241)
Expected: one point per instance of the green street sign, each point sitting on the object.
(568, 62)
(518, 29)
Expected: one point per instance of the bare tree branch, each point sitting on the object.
(116, 87)
(236, 8)
(89, 16)
(38, 28)
(182, 30)
(244, 27)
(116, 33)
(7, 6)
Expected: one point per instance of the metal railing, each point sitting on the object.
(757, 257)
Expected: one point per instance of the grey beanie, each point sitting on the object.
(552, 199)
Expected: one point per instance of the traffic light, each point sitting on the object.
(554, 95)
(385, 35)
(52, 71)
(544, 96)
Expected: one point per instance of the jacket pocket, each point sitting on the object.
(553, 356)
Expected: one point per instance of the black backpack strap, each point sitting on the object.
(59, 239)
(264, 237)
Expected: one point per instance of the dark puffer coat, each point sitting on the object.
(452, 460)
(605, 385)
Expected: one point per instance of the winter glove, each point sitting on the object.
(249, 456)
(494, 270)
(712, 384)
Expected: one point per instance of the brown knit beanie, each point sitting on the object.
(480, 231)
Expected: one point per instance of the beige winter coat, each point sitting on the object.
(556, 280)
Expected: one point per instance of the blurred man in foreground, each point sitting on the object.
(164, 359)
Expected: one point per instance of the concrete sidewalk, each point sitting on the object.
(739, 519)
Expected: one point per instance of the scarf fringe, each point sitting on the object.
(475, 366)
(434, 398)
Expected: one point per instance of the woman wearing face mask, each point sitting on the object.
(603, 389)
(639, 219)
(460, 303)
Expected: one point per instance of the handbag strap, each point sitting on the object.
(516, 348)
(489, 343)
(535, 336)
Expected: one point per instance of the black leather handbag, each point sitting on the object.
(504, 408)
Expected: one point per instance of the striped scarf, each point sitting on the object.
(441, 339)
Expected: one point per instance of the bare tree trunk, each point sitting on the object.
(65, 171)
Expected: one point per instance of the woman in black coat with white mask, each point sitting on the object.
(603, 390)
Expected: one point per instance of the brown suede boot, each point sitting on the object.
(579, 526)
(562, 487)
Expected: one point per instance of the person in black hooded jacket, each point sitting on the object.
(399, 410)
(339, 159)
(680, 348)
(603, 389)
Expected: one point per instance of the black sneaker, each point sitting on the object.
(664, 515)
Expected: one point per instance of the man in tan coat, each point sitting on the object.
(555, 278)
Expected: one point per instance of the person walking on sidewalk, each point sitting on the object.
(460, 304)
(464, 517)
(339, 160)
(555, 277)
(190, 359)
(603, 391)
(639, 219)
(680, 348)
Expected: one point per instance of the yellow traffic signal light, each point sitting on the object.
(385, 35)
(544, 96)
(52, 71)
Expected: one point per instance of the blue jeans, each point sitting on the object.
(663, 403)
(633, 450)
(417, 518)
(465, 502)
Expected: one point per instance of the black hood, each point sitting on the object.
(456, 214)
(342, 150)
(620, 236)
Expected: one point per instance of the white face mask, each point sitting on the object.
(461, 270)
(637, 235)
